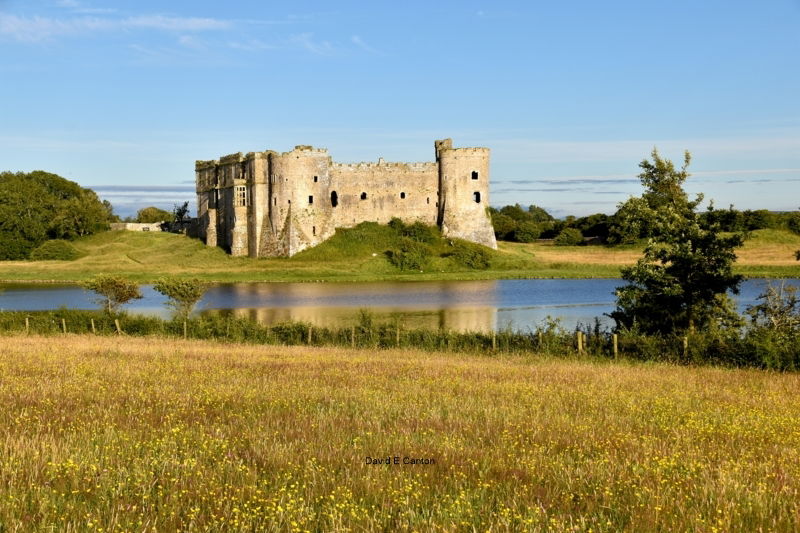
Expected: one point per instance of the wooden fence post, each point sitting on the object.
(64, 326)
(94, 331)
(541, 340)
(309, 334)
(119, 329)
(685, 346)
(578, 335)
(353, 337)
(398, 335)
(27, 326)
(494, 340)
(616, 346)
(185, 330)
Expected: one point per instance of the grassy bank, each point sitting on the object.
(126, 434)
(359, 254)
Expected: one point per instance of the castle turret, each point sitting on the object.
(300, 208)
(464, 193)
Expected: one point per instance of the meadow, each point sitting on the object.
(359, 254)
(158, 434)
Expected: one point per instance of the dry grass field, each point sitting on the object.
(148, 434)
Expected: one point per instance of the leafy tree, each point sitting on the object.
(151, 215)
(504, 226)
(180, 212)
(569, 237)
(538, 214)
(183, 294)
(527, 231)
(38, 206)
(681, 281)
(113, 291)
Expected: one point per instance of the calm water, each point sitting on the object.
(458, 305)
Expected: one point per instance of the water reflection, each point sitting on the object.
(454, 305)
(459, 319)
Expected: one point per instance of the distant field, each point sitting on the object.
(360, 256)
(127, 434)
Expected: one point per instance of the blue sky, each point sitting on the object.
(570, 96)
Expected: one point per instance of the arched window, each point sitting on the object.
(477, 196)
(363, 196)
(334, 199)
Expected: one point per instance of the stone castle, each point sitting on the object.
(270, 204)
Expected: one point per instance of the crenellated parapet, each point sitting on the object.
(267, 204)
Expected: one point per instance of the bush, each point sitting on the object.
(470, 255)
(410, 255)
(183, 294)
(527, 232)
(569, 237)
(55, 250)
(113, 291)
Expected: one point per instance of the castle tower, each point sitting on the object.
(299, 204)
(464, 193)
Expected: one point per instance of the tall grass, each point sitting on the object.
(753, 347)
(126, 434)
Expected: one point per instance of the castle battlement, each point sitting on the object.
(268, 204)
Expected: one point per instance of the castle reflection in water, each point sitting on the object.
(460, 306)
(481, 319)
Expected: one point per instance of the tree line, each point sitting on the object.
(633, 221)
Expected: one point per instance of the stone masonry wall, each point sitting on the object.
(270, 204)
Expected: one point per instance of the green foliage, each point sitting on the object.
(471, 255)
(151, 215)
(569, 237)
(183, 294)
(180, 212)
(55, 250)
(38, 206)
(793, 222)
(681, 281)
(410, 255)
(527, 231)
(113, 291)
(514, 223)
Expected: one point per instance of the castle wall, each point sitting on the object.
(405, 190)
(269, 204)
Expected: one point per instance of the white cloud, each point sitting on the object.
(306, 41)
(37, 29)
(251, 45)
(358, 41)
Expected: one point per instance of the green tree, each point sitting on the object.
(151, 215)
(38, 206)
(183, 294)
(527, 231)
(568, 237)
(180, 212)
(113, 291)
(681, 282)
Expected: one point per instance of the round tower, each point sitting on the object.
(464, 193)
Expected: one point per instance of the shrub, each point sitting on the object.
(470, 255)
(183, 294)
(410, 255)
(420, 232)
(113, 291)
(55, 250)
(527, 232)
(569, 237)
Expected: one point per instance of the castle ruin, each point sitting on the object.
(270, 204)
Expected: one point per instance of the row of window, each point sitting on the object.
(242, 199)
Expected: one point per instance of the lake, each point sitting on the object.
(456, 305)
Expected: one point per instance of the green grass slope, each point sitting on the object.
(360, 254)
